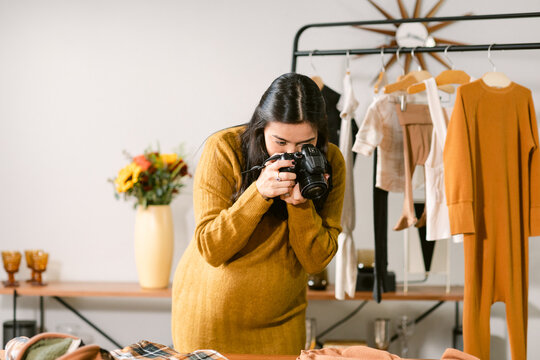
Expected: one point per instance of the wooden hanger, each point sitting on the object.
(446, 77)
(494, 78)
(318, 81)
(381, 78)
(412, 78)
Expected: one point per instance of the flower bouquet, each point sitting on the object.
(151, 178)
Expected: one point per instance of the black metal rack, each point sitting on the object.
(403, 50)
(391, 50)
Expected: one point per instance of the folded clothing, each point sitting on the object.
(149, 350)
(367, 353)
(51, 346)
(58, 346)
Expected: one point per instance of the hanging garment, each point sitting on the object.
(437, 220)
(380, 229)
(381, 135)
(331, 100)
(380, 129)
(492, 178)
(417, 130)
(346, 264)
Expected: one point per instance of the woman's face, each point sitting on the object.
(281, 138)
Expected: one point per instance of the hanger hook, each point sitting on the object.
(489, 58)
(415, 59)
(382, 60)
(311, 62)
(448, 57)
(399, 62)
(348, 60)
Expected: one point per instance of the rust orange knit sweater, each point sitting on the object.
(492, 178)
(240, 286)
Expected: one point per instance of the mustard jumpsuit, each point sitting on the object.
(492, 178)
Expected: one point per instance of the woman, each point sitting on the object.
(240, 286)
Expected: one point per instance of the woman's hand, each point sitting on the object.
(272, 183)
(295, 196)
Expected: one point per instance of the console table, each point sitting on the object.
(59, 290)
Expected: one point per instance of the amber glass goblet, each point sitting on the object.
(12, 261)
(40, 259)
(29, 256)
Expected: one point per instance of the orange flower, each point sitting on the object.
(142, 161)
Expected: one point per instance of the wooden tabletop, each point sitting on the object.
(132, 289)
(259, 357)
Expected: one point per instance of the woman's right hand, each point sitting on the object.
(272, 183)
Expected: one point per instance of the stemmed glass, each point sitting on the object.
(311, 334)
(405, 329)
(12, 261)
(29, 256)
(39, 259)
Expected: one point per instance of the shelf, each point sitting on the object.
(415, 292)
(132, 289)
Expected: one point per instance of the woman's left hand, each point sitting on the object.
(295, 197)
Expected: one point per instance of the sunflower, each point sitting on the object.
(169, 159)
(127, 177)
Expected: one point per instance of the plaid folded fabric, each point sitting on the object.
(149, 350)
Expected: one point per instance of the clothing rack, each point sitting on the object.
(296, 53)
(423, 49)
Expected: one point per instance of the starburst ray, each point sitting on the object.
(381, 10)
(442, 41)
(408, 59)
(402, 10)
(434, 9)
(417, 6)
(441, 25)
(421, 61)
(439, 59)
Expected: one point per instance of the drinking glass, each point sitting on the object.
(40, 259)
(29, 256)
(405, 329)
(311, 334)
(12, 261)
(382, 333)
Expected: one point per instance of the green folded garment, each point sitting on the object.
(48, 349)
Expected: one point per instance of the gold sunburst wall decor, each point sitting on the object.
(413, 34)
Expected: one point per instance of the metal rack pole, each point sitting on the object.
(510, 46)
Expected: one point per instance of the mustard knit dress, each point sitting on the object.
(240, 286)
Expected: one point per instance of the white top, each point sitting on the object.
(438, 222)
(346, 264)
(380, 129)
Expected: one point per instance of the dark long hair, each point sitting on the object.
(291, 99)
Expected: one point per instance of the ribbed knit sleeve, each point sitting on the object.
(534, 174)
(313, 236)
(458, 172)
(223, 228)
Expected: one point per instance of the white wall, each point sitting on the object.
(81, 81)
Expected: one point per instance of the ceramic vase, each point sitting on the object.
(154, 243)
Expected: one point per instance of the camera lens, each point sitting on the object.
(313, 186)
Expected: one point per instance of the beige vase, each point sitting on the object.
(154, 243)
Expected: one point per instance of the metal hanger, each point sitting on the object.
(495, 78)
(315, 77)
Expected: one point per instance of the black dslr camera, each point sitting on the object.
(310, 167)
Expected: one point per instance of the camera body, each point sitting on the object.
(310, 167)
